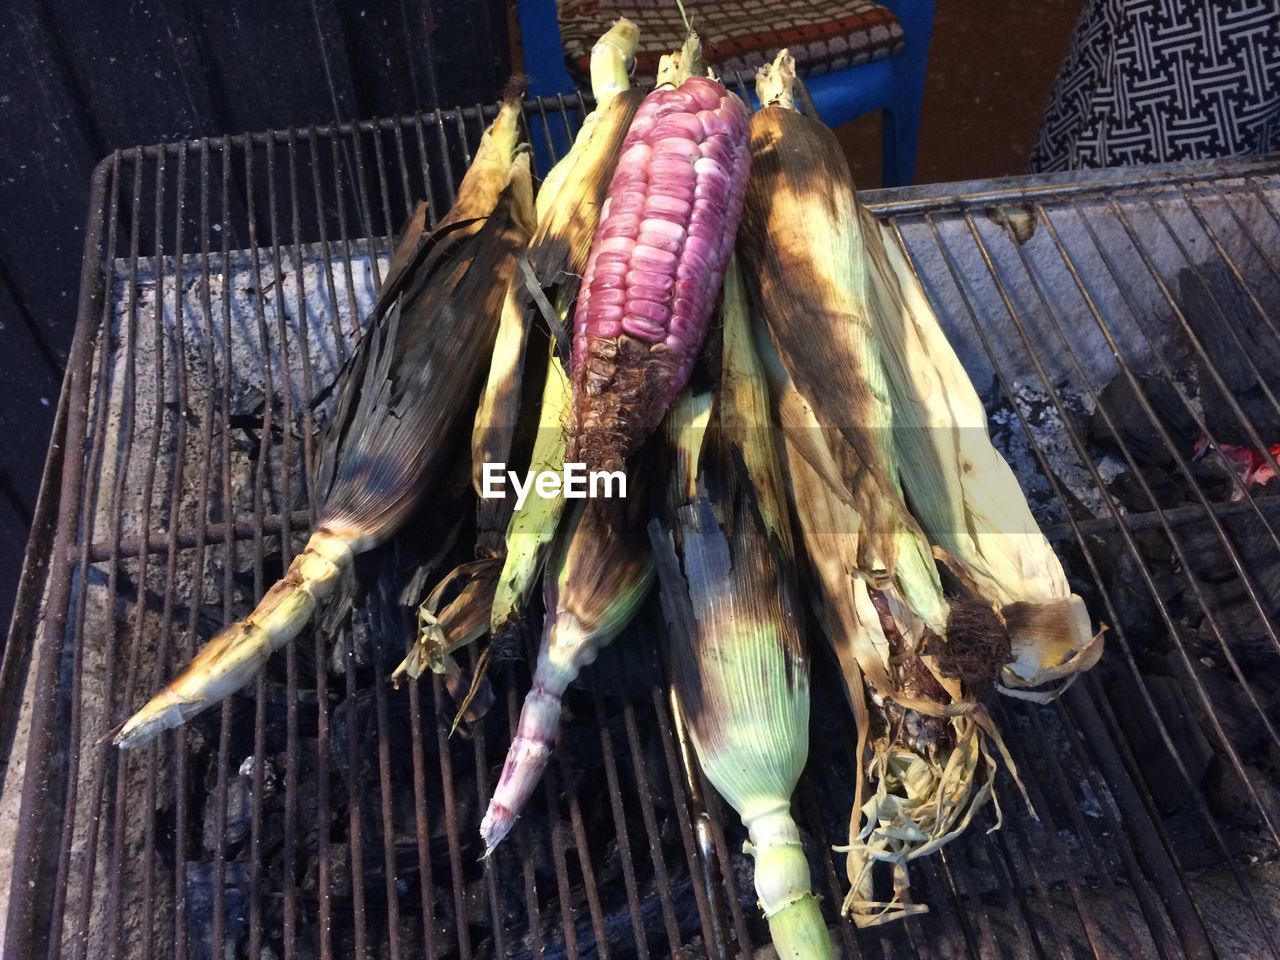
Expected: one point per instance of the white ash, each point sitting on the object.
(1051, 436)
(224, 334)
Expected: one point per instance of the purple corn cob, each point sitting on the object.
(659, 255)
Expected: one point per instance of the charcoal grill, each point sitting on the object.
(328, 815)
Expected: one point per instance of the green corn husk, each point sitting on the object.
(567, 206)
(574, 192)
(533, 527)
(962, 491)
(738, 662)
(401, 403)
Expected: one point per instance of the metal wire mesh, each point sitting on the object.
(329, 815)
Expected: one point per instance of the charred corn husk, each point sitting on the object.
(922, 758)
(596, 579)
(801, 252)
(400, 406)
(568, 206)
(962, 491)
(739, 666)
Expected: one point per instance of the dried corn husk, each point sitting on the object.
(963, 493)
(401, 403)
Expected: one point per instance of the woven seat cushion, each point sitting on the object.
(823, 34)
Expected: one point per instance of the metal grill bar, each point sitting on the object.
(141, 863)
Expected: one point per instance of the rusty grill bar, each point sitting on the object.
(127, 855)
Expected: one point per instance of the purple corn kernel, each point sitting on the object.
(664, 239)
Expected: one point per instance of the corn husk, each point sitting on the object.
(568, 205)
(923, 758)
(962, 491)
(802, 255)
(569, 208)
(533, 527)
(447, 625)
(596, 579)
(401, 403)
(738, 661)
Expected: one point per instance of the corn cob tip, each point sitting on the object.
(613, 58)
(622, 39)
(678, 66)
(497, 823)
(775, 82)
(165, 711)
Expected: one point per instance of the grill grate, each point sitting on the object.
(329, 815)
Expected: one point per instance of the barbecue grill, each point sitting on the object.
(1111, 320)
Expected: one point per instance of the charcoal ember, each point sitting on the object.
(1250, 805)
(361, 713)
(1194, 848)
(1157, 489)
(201, 878)
(1142, 731)
(1243, 351)
(1136, 604)
(1234, 620)
(239, 816)
(1228, 708)
(1120, 422)
(338, 865)
(1252, 543)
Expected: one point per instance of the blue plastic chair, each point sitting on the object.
(894, 84)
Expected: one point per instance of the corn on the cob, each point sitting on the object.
(566, 208)
(401, 404)
(738, 662)
(657, 260)
(596, 579)
(963, 493)
(801, 252)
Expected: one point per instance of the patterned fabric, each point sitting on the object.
(823, 35)
(1157, 81)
